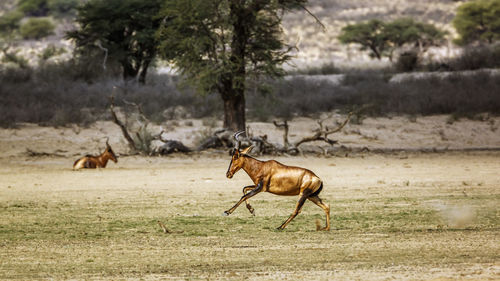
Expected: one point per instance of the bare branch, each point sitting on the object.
(98, 44)
(122, 126)
(315, 18)
(139, 109)
(328, 132)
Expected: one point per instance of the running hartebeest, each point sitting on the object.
(276, 178)
(89, 161)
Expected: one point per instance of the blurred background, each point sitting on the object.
(382, 58)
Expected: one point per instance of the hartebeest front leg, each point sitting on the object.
(253, 192)
(245, 189)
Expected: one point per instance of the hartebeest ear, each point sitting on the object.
(233, 152)
(247, 150)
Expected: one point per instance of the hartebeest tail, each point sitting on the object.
(276, 178)
(99, 161)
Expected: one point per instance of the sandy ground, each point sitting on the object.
(461, 187)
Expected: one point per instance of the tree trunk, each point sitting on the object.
(234, 111)
(129, 71)
(144, 72)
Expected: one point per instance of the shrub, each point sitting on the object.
(9, 22)
(63, 7)
(50, 51)
(37, 28)
(324, 69)
(477, 57)
(62, 100)
(36, 8)
(13, 57)
(407, 61)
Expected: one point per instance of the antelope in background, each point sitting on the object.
(276, 178)
(92, 162)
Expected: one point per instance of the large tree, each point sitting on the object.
(383, 38)
(407, 31)
(367, 34)
(478, 21)
(219, 45)
(123, 31)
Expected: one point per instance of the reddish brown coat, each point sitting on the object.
(92, 162)
(274, 177)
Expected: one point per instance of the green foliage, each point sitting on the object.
(124, 28)
(37, 28)
(383, 38)
(368, 34)
(478, 21)
(407, 31)
(208, 39)
(218, 45)
(36, 8)
(10, 22)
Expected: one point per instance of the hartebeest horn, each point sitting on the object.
(107, 139)
(238, 142)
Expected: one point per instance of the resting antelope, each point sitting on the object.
(276, 178)
(89, 161)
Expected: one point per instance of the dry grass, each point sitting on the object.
(393, 218)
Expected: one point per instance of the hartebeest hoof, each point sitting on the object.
(319, 228)
(251, 209)
(225, 214)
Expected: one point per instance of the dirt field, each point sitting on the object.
(402, 216)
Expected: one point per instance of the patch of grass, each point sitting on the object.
(113, 232)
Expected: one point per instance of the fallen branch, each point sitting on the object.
(220, 138)
(32, 153)
(322, 134)
(169, 146)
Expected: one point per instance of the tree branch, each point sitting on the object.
(122, 126)
(312, 15)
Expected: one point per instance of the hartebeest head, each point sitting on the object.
(237, 157)
(110, 153)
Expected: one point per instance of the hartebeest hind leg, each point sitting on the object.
(297, 210)
(316, 200)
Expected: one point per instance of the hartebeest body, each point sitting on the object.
(274, 177)
(100, 161)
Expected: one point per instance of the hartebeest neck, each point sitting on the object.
(103, 159)
(253, 168)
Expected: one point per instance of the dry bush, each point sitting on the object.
(50, 95)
